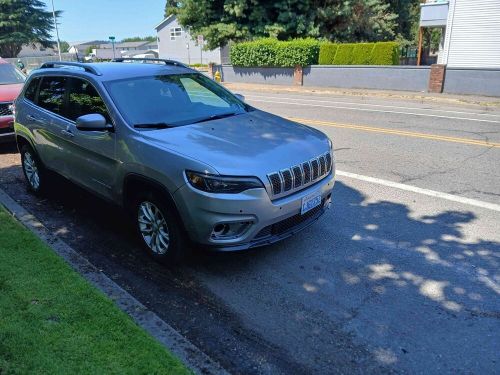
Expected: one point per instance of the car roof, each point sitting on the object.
(109, 71)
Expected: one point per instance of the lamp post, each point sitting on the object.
(112, 38)
(57, 31)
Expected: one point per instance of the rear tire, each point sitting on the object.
(34, 172)
(158, 229)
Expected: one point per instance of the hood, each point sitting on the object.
(252, 144)
(9, 92)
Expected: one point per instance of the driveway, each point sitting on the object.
(400, 276)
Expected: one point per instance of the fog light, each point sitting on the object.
(227, 231)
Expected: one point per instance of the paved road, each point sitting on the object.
(395, 278)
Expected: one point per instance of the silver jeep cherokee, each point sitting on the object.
(186, 157)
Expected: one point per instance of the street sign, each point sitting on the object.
(199, 38)
(112, 38)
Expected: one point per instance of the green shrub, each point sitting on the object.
(260, 52)
(327, 51)
(271, 52)
(301, 52)
(344, 54)
(385, 53)
(361, 53)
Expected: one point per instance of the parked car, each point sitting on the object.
(11, 84)
(187, 158)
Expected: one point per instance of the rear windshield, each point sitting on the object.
(174, 100)
(9, 75)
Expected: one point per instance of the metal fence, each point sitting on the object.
(31, 63)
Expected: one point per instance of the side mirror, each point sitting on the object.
(241, 97)
(92, 122)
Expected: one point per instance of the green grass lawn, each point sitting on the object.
(52, 321)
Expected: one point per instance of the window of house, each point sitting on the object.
(175, 32)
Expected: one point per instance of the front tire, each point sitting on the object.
(33, 170)
(159, 230)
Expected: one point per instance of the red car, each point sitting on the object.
(11, 84)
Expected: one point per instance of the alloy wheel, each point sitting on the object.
(31, 170)
(153, 227)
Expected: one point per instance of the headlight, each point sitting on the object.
(222, 184)
(330, 143)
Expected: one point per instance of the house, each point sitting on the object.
(80, 48)
(176, 43)
(471, 31)
(37, 50)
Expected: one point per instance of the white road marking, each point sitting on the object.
(371, 105)
(377, 110)
(414, 189)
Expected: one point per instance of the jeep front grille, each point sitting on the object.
(301, 175)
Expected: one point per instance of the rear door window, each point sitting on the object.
(84, 99)
(51, 94)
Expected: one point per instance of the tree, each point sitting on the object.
(221, 21)
(24, 22)
(172, 7)
(64, 46)
(140, 39)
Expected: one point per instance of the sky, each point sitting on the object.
(84, 20)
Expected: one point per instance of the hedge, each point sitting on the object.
(380, 53)
(361, 54)
(344, 54)
(327, 53)
(385, 53)
(274, 53)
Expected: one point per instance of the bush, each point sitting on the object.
(301, 52)
(361, 54)
(344, 54)
(385, 53)
(271, 52)
(327, 51)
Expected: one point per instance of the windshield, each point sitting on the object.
(173, 100)
(10, 75)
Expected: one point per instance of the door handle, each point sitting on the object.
(67, 133)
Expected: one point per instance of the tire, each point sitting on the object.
(159, 230)
(33, 170)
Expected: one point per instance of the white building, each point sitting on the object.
(175, 43)
(472, 31)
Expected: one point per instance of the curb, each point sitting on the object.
(188, 353)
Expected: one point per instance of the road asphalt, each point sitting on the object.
(400, 276)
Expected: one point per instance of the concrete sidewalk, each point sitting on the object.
(469, 100)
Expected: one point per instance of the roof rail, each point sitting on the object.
(85, 67)
(148, 59)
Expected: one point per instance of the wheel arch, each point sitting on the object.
(133, 184)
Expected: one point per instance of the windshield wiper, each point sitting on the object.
(155, 125)
(216, 117)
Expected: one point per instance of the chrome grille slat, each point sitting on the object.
(287, 180)
(315, 169)
(300, 176)
(297, 174)
(322, 165)
(306, 167)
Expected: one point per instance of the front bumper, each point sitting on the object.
(272, 221)
(7, 129)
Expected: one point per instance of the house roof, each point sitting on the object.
(165, 21)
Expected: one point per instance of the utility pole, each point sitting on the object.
(57, 31)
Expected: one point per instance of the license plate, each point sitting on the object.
(310, 201)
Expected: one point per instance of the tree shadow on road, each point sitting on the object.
(373, 268)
